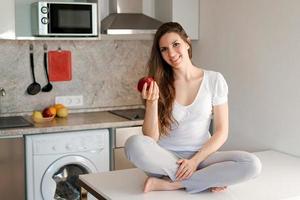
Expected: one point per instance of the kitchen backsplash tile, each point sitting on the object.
(105, 73)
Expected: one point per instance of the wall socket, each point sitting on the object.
(70, 101)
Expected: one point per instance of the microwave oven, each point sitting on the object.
(64, 19)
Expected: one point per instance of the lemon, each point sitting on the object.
(37, 116)
(62, 112)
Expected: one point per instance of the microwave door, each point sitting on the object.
(67, 19)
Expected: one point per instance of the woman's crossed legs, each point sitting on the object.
(217, 171)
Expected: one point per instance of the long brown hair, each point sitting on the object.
(164, 76)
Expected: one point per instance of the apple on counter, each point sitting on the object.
(49, 112)
(37, 116)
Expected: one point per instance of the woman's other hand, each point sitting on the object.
(186, 169)
(152, 94)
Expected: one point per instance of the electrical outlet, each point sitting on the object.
(70, 101)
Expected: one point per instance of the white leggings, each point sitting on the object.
(218, 170)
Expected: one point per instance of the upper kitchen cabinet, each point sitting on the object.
(184, 12)
(7, 19)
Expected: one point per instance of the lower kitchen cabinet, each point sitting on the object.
(121, 162)
(12, 168)
(120, 135)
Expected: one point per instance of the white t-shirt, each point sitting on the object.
(192, 130)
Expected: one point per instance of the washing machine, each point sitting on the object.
(54, 161)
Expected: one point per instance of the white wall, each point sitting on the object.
(255, 44)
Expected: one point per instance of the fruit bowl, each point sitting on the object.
(49, 113)
(42, 120)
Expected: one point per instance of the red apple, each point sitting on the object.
(142, 81)
(47, 112)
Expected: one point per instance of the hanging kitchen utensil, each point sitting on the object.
(48, 87)
(60, 65)
(34, 87)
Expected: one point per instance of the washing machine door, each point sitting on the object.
(60, 179)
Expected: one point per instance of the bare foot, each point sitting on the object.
(152, 184)
(217, 189)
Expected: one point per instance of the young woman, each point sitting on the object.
(177, 150)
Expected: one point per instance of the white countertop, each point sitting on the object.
(74, 122)
(279, 180)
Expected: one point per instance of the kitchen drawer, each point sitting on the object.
(122, 134)
(121, 162)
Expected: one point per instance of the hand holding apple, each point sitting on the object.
(142, 81)
(151, 93)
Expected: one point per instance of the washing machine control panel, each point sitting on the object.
(67, 143)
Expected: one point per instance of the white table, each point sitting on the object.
(279, 180)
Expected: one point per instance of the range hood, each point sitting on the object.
(126, 17)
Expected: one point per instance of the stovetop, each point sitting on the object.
(131, 114)
(14, 122)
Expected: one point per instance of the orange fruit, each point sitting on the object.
(52, 110)
(58, 106)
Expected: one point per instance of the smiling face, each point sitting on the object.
(174, 49)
